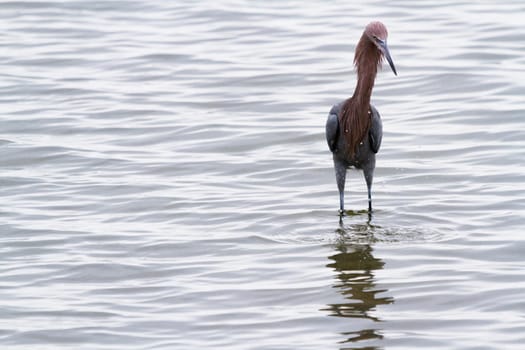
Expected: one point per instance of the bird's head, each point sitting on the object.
(377, 34)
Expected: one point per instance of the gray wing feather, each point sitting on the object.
(376, 130)
(332, 130)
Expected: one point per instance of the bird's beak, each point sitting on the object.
(386, 52)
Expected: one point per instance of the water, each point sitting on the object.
(166, 184)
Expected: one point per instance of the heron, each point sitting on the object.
(354, 129)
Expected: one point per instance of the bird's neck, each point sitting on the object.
(355, 119)
(363, 89)
(367, 59)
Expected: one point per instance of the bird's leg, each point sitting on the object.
(369, 177)
(369, 199)
(340, 177)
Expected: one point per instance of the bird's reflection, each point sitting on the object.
(355, 263)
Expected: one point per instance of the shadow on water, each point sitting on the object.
(355, 263)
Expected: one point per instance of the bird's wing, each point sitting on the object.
(332, 128)
(376, 130)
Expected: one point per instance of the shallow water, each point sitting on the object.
(166, 183)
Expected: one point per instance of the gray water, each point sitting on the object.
(166, 184)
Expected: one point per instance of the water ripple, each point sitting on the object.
(166, 183)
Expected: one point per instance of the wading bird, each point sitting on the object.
(354, 129)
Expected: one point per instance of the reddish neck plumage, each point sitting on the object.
(355, 119)
(367, 58)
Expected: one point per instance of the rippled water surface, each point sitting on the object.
(166, 184)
